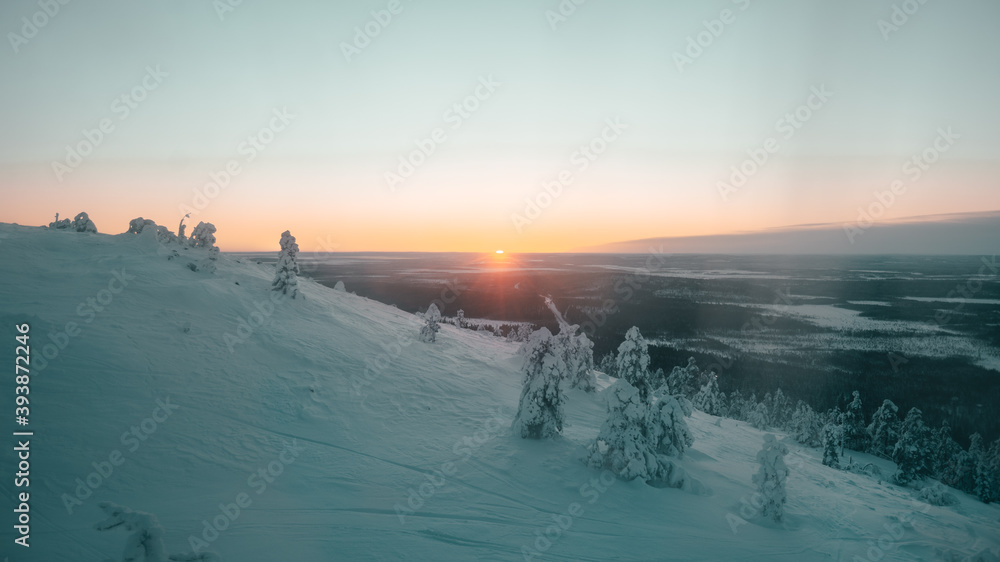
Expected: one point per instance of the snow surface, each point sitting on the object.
(288, 387)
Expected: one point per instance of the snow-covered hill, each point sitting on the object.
(338, 436)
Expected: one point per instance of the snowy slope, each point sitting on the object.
(346, 456)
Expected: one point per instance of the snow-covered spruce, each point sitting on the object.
(683, 381)
(641, 432)
(759, 416)
(780, 409)
(883, 432)
(947, 455)
(988, 474)
(832, 438)
(709, 399)
(578, 354)
(145, 543)
(540, 410)
(670, 432)
(912, 453)
(770, 478)
(632, 362)
(855, 434)
(428, 332)
(805, 426)
(286, 279)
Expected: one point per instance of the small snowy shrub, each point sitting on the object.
(285, 278)
(60, 224)
(936, 494)
(540, 410)
(428, 332)
(340, 287)
(771, 476)
(145, 543)
(80, 223)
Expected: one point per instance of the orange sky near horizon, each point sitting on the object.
(249, 220)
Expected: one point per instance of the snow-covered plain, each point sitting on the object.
(355, 419)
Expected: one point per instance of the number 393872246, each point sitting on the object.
(22, 374)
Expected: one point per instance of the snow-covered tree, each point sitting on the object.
(578, 354)
(540, 411)
(735, 405)
(623, 444)
(428, 332)
(709, 399)
(759, 417)
(946, 453)
(82, 223)
(136, 226)
(203, 235)
(607, 365)
(641, 433)
(671, 435)
(806, 426)
(855, 429)
(632, 362)
(286, 279)
(145, 541)
(780, 410)
(912, 453)
(883, 432)
(988, 474)
(967, 464)
(524, 332)
(832, 438)
(460, 318)
(770, 478)
(682, 381)
(181, 228)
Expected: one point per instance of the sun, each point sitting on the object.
(499, 251)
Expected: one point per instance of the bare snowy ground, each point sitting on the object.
(373, 446)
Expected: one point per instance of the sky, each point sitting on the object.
(523, 125)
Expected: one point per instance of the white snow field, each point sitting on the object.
(305, 468)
